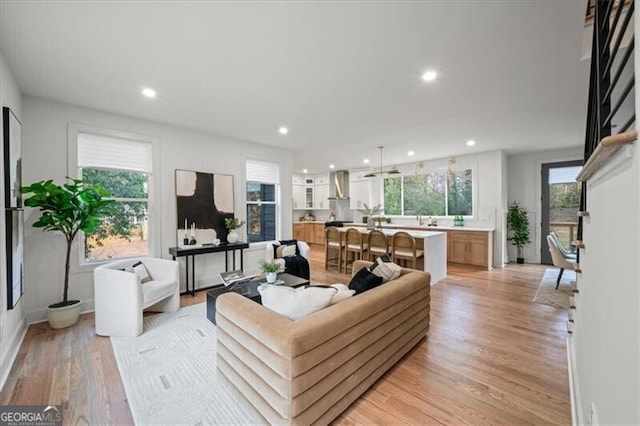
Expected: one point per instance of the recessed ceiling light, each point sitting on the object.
(283, 130)
(365, 161)
(471, 142)
(149, 93)
(332, 166)
(305, 171)
(429, 76)
(411, 153)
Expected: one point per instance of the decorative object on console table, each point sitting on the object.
(270, 270)
(204, 200)
(232, 224)
(76, 206)
(518, 224)
(13, 207)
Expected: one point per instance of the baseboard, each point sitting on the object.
(12, 352)
(574, 390)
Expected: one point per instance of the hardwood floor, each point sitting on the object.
(492, 356)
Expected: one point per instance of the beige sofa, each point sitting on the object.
(310, 370)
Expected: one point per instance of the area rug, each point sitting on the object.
(547, 293)
(169, 372)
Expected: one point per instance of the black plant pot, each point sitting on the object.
(520, 260)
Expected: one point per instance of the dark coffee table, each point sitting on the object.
(248, 289)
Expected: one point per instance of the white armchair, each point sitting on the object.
(120, 298)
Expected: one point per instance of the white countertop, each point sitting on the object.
(389, 232)
(426, 228)
(309, 221)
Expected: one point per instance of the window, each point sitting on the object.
(262, 196)
(124, 168)
(429, 194)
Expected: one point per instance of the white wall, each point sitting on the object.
(488, 194)
(45, 157)
(606, 340)
(604, 349)
(524, 186)
(12, 323)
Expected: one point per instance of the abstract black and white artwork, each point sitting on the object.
(204, 201)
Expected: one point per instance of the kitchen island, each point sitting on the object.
(434, 245)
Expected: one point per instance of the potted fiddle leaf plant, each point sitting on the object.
(233, 223)
(518, 224)
(69, 208)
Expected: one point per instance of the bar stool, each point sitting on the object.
(333, 242)
(378, 244)
(354, 243)
(403, 247)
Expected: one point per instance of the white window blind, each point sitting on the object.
(261, 171)
(114, 153)
(563, 174)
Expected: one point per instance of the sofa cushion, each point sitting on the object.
(385, 268)
(295, 303)
(364, 280)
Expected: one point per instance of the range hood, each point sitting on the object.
(339, 185)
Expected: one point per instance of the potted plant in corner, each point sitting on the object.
(73, 207)
(270, 270)
(233, 223)
(518, 224)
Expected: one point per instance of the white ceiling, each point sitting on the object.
(343, 76)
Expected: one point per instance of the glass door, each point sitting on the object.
(560, 205)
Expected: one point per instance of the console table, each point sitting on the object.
(192, 252)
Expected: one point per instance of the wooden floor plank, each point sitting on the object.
(492, 356)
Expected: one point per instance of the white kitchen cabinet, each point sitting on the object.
(321, 197)
(299, 202)
(321, 180)
(359, 194)
(297, 179)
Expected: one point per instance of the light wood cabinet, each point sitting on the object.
(318, 233)
(310, 233)
(299, 231)
(470, 248)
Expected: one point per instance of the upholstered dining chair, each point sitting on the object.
(355, 244)
(403, 247)
(378, 244)
(566, 253)
(558, 258)
(333, 245)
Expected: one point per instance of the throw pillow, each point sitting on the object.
(284, 251)
(141, 271)
(364, 280)
(342, 294)
(295, 303)
(385, 268)
(280, 246)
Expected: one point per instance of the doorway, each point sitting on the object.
(560, 205)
